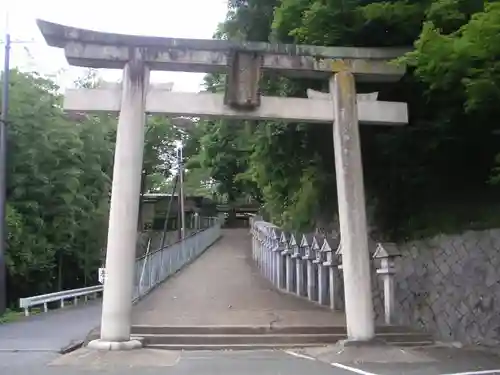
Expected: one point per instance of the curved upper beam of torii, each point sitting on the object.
(95, 49)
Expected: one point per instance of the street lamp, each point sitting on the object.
(181, 183)
(185, 124)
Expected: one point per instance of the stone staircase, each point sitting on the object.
(264, 337)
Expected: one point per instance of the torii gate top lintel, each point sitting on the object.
(243, 63)
(96, 49)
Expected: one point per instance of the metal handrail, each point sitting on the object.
(163, 263)
(178, 241)
(150, 269)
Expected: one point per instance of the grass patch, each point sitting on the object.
(10, 316)
(14, 315)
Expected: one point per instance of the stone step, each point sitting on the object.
(229, 347)
(261, 330)
(240, 339)
(262, 346)
(414, 344)
(257, 337)
(277, 339)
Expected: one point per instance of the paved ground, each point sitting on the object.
(405, 361)
(223, 287)
(272, 362)
(50, 332)
(149, 362)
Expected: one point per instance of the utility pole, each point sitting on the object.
(181, 180)
(3, 169)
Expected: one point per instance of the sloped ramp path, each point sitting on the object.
(221, 301)
(224, 288)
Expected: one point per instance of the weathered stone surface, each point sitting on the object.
(449, 286)
(108, 50)
(212, 106)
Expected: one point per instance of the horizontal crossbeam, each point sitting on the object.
(115, 57)
(313, 94)
(205, 105)
(107, 50)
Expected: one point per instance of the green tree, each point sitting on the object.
(442, 161)
(220, 149)
(59, 180)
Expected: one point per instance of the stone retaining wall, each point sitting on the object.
(449, 285)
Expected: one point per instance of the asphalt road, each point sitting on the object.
(50, 332)
(186, 363)
(271, 362)
(435, 360)
(442, 361)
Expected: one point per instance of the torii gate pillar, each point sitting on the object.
(352, 210)
(122, 230)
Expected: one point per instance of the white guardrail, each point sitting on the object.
(45, 299)
(150, 270)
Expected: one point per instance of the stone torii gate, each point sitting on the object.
(243, 63)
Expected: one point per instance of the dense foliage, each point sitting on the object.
(59, 180)
(437, 174)
(440, 173)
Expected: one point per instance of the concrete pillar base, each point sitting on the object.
(115, 345)
(353, 343)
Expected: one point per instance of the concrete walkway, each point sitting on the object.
(223, 287)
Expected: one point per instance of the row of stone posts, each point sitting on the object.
(310, 266)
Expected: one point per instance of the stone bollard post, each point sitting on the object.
(330, 247)
(270, 254)
(289, 266)
(256, 244)
(278, 259)
(274, 265)
(308, 258)
(322, 271)
(387, 253)
(259, 250)
(253, 232)
(262, 252)
(269, 257)
(299, 265)
(265, 258)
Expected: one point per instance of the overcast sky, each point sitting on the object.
(169, 18)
